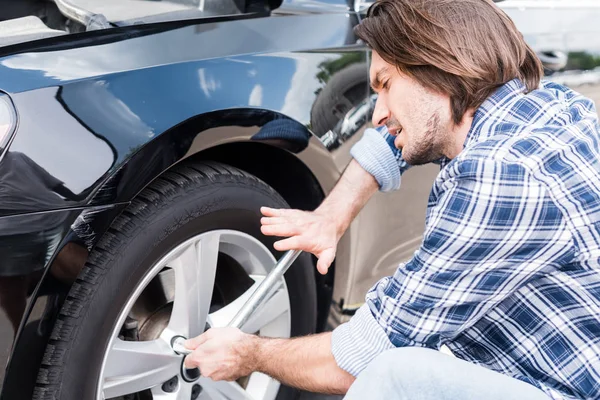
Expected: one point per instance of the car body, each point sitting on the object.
(98, 115)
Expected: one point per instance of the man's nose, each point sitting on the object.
(381, 113)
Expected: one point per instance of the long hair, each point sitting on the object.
(462, 48)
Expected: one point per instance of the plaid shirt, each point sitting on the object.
(508, 273)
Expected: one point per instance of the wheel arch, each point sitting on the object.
(241, 136)
(303, 175)
(289, 158)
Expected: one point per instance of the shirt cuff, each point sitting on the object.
(356, 343)
(373, 153)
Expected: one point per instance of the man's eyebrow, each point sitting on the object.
(376, 84)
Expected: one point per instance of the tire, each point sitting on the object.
(183, 202)
(344, 90)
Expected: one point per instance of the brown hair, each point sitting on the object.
(465, 49)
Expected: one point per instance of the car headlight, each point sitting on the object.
(8, 121)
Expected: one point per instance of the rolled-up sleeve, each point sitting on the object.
(376, 153)
(357, 342)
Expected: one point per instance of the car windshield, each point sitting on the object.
(23, 23)
(126, 12)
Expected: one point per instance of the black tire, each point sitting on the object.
(344, 90)
(184, 202)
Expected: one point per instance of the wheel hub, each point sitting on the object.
(184, 287)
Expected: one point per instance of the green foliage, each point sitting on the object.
(328, 68)
(582, 60)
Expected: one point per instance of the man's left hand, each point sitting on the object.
(222, 354)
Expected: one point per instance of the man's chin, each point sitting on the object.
(398, 143)
(419, 158)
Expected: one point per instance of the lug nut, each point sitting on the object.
(190, 375)
(178, 347)
(171, 385)
(196, 390)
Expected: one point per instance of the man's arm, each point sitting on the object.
(354, 189)
(376, 165)
(319, 231)
(305, 363)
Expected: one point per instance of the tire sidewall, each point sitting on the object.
(232, 206)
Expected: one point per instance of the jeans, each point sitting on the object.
(413, 373)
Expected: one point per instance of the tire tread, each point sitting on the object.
(167, 186)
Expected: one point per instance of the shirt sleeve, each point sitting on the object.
(490, 229)
(376, 153)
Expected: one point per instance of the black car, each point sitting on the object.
(138, 140)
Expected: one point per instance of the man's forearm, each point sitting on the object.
(305, 363)
(353, 190)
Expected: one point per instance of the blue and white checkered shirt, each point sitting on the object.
(508, 273)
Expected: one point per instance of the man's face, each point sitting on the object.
(419, 118)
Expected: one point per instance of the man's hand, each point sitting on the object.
(305, 363)
(311, 231)
(318, 232)
(222, 354)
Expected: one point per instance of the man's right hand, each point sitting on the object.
(315, 232)
(318, 232)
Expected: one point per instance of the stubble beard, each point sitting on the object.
(426, 149)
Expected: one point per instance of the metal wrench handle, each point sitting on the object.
(264, 289)
(262, 292)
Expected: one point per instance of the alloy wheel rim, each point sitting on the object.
(132, 366)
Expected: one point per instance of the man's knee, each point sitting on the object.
(408, 359)
(411, 373)
(395, 372)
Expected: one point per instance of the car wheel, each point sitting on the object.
(345, 89)
(182, 257)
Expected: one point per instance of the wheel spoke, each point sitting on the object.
(223, 316)
(183, 392)
(222, 390)
(159, 394)
(195, 270)
(134, 366)
(164, 396)
(207, 395)
(262, 386)
(274, 307)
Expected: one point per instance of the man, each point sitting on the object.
(507, 275)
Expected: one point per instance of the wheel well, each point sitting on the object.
(281, 170)
(292, 179)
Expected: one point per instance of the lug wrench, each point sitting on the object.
(262, 293)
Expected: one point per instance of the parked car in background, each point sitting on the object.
(138, 140)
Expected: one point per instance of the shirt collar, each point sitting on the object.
(501, 99)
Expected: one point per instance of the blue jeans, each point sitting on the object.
(412, 373)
